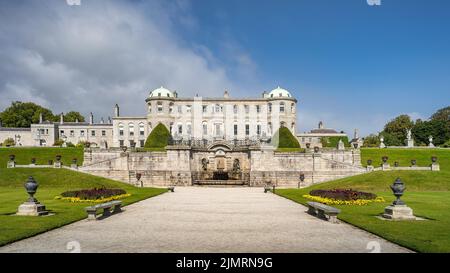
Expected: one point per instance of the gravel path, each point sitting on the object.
(197, 219)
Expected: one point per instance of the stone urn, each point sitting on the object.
(138, 176)
(398, 188)
(385, 159)
(87, 145)
(12, 157)
(316, 149)
(434, 159)
(124, 148)
(302, 177)
(308, 145)
(58, 158)
(413, 162)
(396, 164)
(74, 161)
(31, 187)
(369, 162)
(33, 160)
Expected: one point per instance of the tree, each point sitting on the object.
(371, 140)
(9, 142)
(437, 128)
(23, 114)
(442, 114)
(158, 138)
(395, 131)
(283, 138)
(73, 116)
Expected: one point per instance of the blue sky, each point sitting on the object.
(349, 64)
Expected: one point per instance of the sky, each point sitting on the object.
(349, 64)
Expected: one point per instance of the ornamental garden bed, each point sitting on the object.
(96, 195)
(343, 197)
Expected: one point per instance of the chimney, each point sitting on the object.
(102, 121)
(40, 118)
(226, 95)
(109, 120)
(116, 111)
(91, 118)
(61, 118)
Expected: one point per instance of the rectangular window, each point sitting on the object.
(258, 129)
(121, 132)
(247, 129)
(121, 143)
(180, 129)
(258, 109)
(92, 133)
(103, 133)
(235, 109)
(282, 107)
(160, 107)
(235, 129)
(188, 108)
(132, 143)
(141, 143)
(141, 132)
(204, 108)
(62, 132)
(247, 109)
(82, 133)
(205, 129)
(72, 133)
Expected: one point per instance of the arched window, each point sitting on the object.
(120, 129)
(131, 129)
(141, 129)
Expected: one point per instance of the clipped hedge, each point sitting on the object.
(332, 142)
(158, 138)
(283, 138)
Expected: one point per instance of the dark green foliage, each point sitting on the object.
(442, 114)
(332, 142)
(73, 116)
(158, 138)
(343, 194)
(94, 194)
(58, 142)
(437, 128)
(371, 141)
(395, 130)
(23, 114)
(283, 138)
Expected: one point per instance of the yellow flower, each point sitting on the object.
(329, 201)
(78, 200)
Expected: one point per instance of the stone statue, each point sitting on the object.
(236, 166)
(382, 145)
(408, 134)
(341, 145)
(430, 139)
(410, 141)
(204, 164)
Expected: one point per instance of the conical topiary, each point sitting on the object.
(158, 138)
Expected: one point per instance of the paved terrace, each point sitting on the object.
(197, 219)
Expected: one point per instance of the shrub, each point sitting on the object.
(70, 144)
(332, 142)
(446, 144)
(343, 194)
(83, 144)
(58, 142)
(158, 138)
(9, 142)
(283, 138)
(93, 194)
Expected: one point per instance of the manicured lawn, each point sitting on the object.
(427, 193)
(42, 155)
(52, 182)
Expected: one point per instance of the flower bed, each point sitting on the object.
(93, 195)
(343, 197)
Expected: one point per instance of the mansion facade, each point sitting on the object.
(223, 118)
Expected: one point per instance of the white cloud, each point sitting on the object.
(91, 56)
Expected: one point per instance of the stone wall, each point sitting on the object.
(182, 166)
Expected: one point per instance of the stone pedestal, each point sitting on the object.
(435, 167)
(369, 168)
(74, 166)
(11, 164)
(399, 212)
(32, 209)
(385, 166)
(57, 164)
(410, 143)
